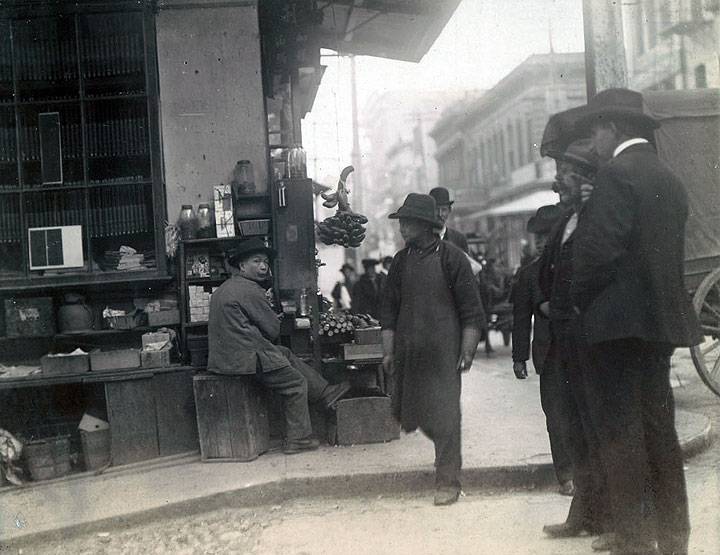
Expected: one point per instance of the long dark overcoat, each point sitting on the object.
(629, 253)
(526, 298)
(429, 298)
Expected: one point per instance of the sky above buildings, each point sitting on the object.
(483, 41)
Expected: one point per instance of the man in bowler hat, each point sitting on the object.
(634, 311)
(443, 208)
(526, 298)
(242, 331)
(431, 321)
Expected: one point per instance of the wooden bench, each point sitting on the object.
(232, 417)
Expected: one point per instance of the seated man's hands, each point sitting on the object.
(520, 370)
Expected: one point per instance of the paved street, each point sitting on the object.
(484, 521)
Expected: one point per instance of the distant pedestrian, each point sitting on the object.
(386, 261)
(634, 311)
(367, 291)
(431, 320)
(443, 208)
(342, 292)
(526, 298)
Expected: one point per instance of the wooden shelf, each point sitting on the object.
(83, 279)
(205, 280)
(195, 325)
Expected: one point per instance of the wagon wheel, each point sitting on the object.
(707, 355)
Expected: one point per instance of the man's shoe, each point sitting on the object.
(333, 393)
(564, 530)
(567, 488)
(446, 496)
(604, 542)
(293, 446)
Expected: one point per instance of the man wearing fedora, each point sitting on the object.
(431, 320)
(242, 331)
(577, 163)
(367, 290)
(526, 298)
(634, 311)
(443, 208)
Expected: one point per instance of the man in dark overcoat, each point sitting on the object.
(526, 298)
(431, 320)
(242, 331)
(367, 291)
(443, 208)
(634, 311)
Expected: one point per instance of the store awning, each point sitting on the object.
(397, 29)
(523, 205)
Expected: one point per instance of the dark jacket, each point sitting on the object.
(526, 297)
(629, 254)
(366, 297)
(456, 238)
(241, 330)
(555, 275)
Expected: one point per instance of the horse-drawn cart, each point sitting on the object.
(689, 142)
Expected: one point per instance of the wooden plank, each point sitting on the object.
(131, 413)
(249, 429)
(212, 417)
(175, 411)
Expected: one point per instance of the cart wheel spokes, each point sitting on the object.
(706, 356)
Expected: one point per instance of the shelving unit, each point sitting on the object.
(92, 67)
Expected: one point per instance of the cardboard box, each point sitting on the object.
(368, 336)
(353, 351)
(155, 359)
(163, 318)
(30, 317)
(154, 337)
(114, 360)
(364, 420)
(61, 365)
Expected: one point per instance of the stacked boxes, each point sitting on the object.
(224, 220)
(199, 302)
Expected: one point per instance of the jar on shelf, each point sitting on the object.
(206, 223)
(297, 162)
(243, 179)
(187, 222)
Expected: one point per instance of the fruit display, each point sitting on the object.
(340, 322)
(346, 228)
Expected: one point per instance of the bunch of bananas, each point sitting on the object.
(345, 228)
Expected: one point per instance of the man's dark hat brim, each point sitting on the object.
(581, 153)
(246, 248)
(561, 130)
(418, 207)
(616, 105)
(544, 219)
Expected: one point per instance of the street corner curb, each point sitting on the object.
(695, 433)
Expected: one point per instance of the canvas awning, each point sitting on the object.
(524, 205)
(397, 29)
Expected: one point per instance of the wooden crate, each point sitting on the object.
(365, 420)
(368, 336)
(232, 418)
(57, 366)
(353, 351)
(30, 317)
(118, 359)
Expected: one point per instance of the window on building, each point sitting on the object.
(529, 140)
(450, 168)
(700, 77)
(501, 153)
(651, 21)
(696, 9)
(665, 14)
(510, 147)
(520, 145)
(640, 31)
(481, 163)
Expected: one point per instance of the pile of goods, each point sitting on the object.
(346, 228)
(338, 323)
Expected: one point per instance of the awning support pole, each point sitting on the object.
(605, 64)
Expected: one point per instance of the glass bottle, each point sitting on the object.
(243, 181)
(206, 226)
(304, 308)
(187, 222)
(297, 162)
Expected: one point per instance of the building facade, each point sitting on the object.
(487, 151)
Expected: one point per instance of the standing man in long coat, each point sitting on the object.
(431, 321)
(367, 291)
(634, 311)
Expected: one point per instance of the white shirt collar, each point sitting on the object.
(626, 144)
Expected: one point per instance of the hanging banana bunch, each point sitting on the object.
(346, 228)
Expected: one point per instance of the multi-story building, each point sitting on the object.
(488, 154)
(672, 44)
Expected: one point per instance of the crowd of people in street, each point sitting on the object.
(601, 305)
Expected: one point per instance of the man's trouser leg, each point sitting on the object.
(554, 398)
(448, 456)
(316, 383)
(292, 388)
(633, 407)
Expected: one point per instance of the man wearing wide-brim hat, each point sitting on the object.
(633, 311)
(431, 320)
(242, 331)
